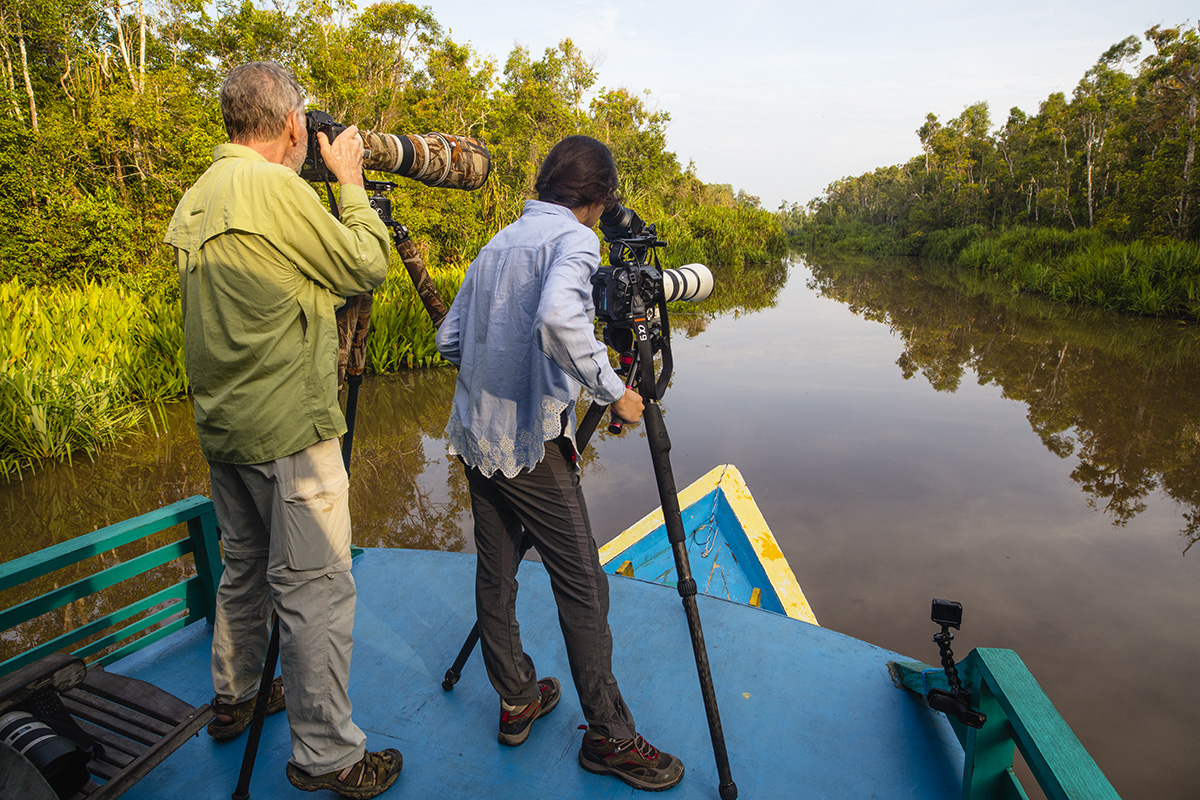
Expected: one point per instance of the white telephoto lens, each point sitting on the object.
(693, 283)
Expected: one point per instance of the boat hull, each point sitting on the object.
(730, 548)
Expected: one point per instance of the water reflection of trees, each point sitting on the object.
(406, 492)
(740, 290)
(1117, 393)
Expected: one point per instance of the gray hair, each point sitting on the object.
(256, 99)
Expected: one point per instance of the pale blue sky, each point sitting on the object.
(782, 97)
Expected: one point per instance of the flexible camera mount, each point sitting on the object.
(957, 701)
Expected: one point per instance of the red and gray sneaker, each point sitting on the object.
(634, 761)
(516, 722)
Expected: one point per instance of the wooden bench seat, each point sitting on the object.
(137, 724)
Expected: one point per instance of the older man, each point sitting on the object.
(262, 268)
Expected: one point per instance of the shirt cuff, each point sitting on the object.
(354, 194)
(612, 388)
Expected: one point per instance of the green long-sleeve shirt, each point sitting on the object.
(262, 269)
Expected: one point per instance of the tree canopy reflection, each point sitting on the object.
(1116, 393)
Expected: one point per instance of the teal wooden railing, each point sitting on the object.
(183, 603)
(1018, 715)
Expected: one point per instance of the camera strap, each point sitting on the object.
(333, 206)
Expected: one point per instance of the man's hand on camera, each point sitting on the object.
(629, 408)
(344, 156)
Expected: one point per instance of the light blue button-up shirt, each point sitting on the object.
(521, 332)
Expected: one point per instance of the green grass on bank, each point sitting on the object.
(82, 365)
(1160, 279)
(79, 366)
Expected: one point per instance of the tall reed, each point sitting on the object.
(77, 367)
(402, 335)
(1083, 267)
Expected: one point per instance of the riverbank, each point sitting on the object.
(83, 364)
(1158, 279)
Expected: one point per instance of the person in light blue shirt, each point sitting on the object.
(521, 332)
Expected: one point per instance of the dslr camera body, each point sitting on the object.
(631, 291)
(632, 283)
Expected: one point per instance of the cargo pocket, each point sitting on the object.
(317, 517)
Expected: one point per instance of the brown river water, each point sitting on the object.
(908, 433)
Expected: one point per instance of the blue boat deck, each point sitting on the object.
(807, 712)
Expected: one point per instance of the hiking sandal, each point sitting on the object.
(241, 713)
(370, 776)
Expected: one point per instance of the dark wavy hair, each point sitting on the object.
(577, 172)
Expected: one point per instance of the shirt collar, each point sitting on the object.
(539, 207)
(231, 150)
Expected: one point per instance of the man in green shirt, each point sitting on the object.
(262, 269)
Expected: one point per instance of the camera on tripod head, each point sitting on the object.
(434, 159)
(631, 292)
(632, 283)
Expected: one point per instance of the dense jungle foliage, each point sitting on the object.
(109, 112)
(1106, 179)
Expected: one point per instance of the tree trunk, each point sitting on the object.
(141, 48)
(28, 81)
(1090, 165)
(9, 81)
(1184, 197)
(62, 81)
(122, 45)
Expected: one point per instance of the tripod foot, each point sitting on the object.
(451, 678)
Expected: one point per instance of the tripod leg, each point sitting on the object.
(587, 426)
(468, 647)
(660, 448)
(352, 382)
(242, 792)
(455, 671)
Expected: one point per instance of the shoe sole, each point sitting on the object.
(514, 739)
(632, 780)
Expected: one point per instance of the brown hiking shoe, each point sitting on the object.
(634, 761)
(240, 714)
(516, 722)
(370, 776)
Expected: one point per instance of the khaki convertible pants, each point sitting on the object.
(285, 528)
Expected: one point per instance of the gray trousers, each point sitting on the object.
(285, 529)
(547, 504)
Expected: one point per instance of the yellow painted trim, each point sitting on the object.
(648, 523)
(729, 480)
(765, 547)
